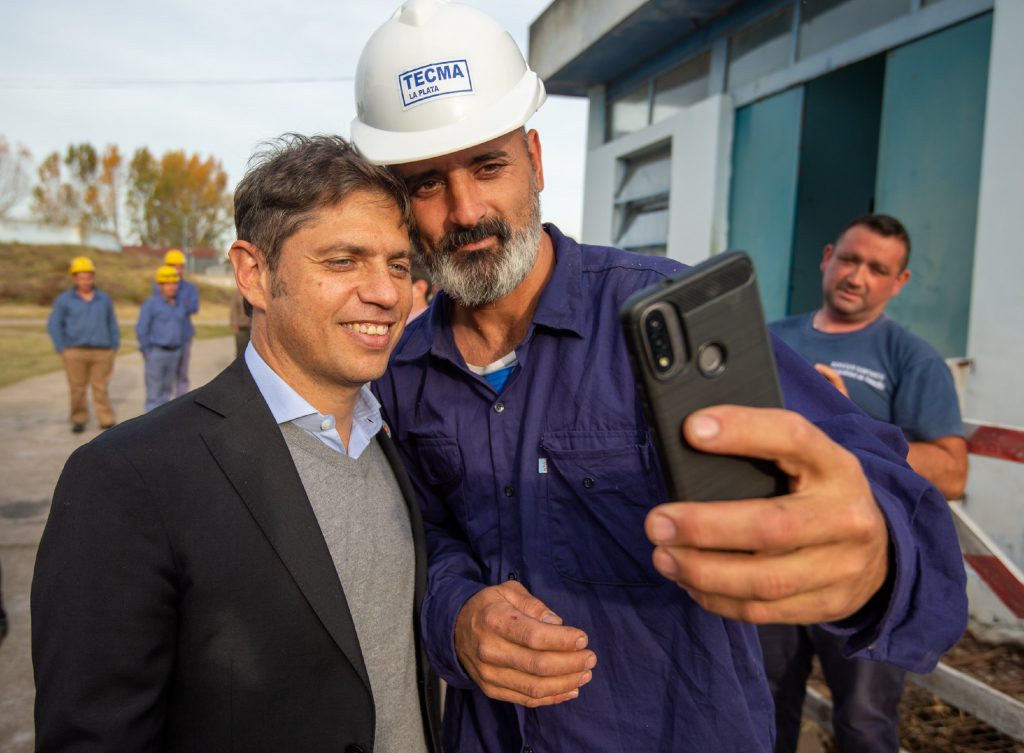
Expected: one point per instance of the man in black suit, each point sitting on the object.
(241, 569)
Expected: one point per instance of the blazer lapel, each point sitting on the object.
(250, 450)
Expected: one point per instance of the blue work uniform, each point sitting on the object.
(77, 323)
(161, 331)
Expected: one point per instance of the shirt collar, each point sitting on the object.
(561, 302)
(288, 406)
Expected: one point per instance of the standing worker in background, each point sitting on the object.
(84, 331)
(896, 377)
(160, 331)
(188, 299)
(554, 624)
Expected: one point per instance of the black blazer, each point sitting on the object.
(184, 597)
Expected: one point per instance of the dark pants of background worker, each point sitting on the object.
(865, 694)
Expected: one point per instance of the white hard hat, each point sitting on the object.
(436, 78)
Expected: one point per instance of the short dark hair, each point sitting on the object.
(884, 225)
(295, 175)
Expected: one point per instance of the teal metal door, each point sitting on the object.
(929, 165)
(766, 151)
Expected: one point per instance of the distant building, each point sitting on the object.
(39, 233)
(766, 125)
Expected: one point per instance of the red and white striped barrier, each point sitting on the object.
(993, 441)
(983, 555)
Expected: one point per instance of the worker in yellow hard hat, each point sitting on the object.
(162, 333)
(188, 299)
(84, 331)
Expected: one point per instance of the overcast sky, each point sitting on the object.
(167, 75)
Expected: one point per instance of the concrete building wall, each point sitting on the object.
(701, 144)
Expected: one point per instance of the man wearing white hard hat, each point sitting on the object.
(514, 405)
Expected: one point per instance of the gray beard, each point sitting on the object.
(480, 277)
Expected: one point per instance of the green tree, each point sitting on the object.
(181, 199)
(15, 179)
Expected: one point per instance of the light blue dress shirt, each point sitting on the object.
(288, 406)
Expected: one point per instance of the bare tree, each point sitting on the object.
(15, 175)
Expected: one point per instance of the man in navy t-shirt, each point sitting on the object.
(894, 376)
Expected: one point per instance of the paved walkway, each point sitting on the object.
(35, 440)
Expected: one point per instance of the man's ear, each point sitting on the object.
(251, 274)
(901, 279)
(825, 256)
(533, 145)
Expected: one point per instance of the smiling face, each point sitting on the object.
(327, 318)
(478, 215)
(860, 274)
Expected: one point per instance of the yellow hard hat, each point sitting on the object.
(175, 257)
(81, 264)
(168, 274)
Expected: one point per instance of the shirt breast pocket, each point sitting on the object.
(439, 461)
(600, 486)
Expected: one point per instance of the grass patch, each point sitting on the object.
(25, 352)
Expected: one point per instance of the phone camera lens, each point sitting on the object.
(658, 342)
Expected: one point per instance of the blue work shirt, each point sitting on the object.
(548, 482)
(187, 299)
(161, 324)
(77, 323)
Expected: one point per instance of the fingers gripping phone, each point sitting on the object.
(699, 339)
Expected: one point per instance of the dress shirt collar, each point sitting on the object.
(288, 406)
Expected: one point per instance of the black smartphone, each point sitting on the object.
(699, 339)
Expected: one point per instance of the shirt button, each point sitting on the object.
(325, 424)
(499, 407)
(510, 491)
(588, 483)
(513, 575)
